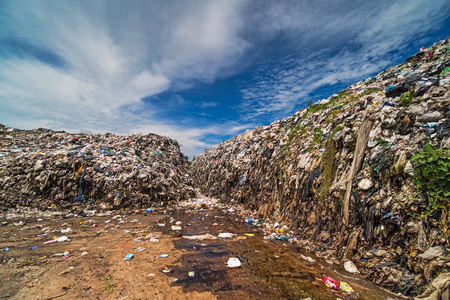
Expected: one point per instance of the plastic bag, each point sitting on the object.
(233, 262)
(330, 282)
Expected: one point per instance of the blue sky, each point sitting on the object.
(197, 71)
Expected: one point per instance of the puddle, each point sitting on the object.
(270, 269)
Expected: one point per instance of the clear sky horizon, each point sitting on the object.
(197, 71)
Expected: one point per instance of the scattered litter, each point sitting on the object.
(58, 240)
(330, 282)
(140, 249)
(175, 227)
(34, 247)
(225, 235)
(167, 270)
(164, 255)
(191, 274)
(233, 262)
(345, 287)
(129, 256)
(200, 237)
(307, 258)
(350, 267)
(431, 253)
(66, 271)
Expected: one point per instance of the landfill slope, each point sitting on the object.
(340, 176)
(44, 168)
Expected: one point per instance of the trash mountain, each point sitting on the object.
(43, 168)
(361, 179)
(363, 175)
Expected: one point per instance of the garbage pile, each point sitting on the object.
(43, 168)
(363, 175)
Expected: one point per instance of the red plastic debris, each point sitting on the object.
(330, 282)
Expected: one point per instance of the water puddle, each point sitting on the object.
(269, 270)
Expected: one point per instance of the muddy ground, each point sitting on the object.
(270, 269)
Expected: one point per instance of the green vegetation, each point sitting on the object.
(318, 107)
(341, 96)
(280, 173)
(297, 130)
(432, 177)
(368, 92)
(317, 133)
(338, 97)
(107, 284)
(380, 141)
(407, 98)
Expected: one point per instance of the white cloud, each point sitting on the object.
(192, 139)
(206, 104)
(149, 84)
(373, 45)
(114, 54)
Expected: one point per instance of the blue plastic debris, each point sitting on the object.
(109, 151)
(249, 220)
(286, 238)
(429, 126)
(129, 256)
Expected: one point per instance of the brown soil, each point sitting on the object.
(270, 269)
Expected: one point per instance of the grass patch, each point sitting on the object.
(341, 96)
(107, 284)
(297, 130)
(317, 133)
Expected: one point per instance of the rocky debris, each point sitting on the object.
(43, 168)
(340, 174)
